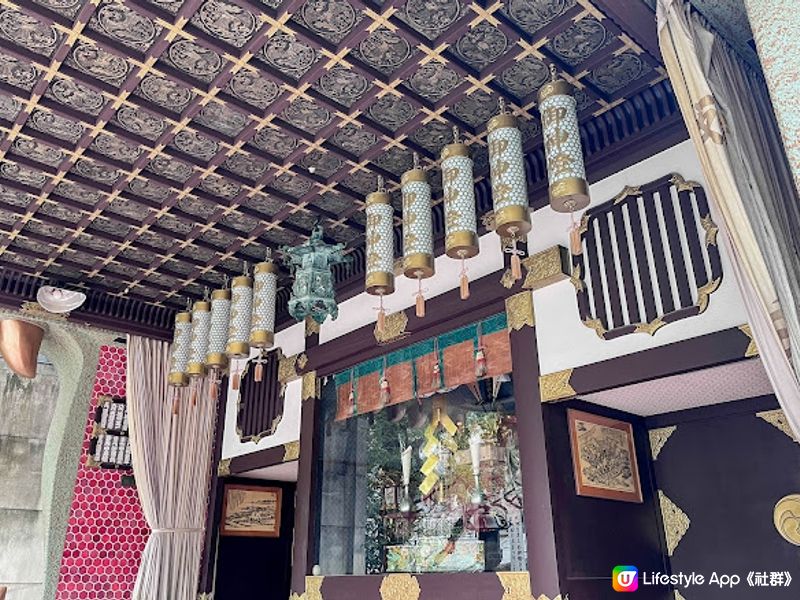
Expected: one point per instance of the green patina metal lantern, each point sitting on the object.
(313, 294)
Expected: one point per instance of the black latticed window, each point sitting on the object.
(260, 399)
(648, 257)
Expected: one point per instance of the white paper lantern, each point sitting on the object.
(380, 244)
(218, 334)
(461, 225)
(241, 313)
(265, 291)
(417, 224)
(179, 360)
(507, 169)
(201, 326)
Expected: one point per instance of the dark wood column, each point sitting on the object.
(537, 498)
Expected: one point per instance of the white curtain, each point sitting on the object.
(682, 53)
(171, 438)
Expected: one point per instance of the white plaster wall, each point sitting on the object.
(562, 339)
(291, 341)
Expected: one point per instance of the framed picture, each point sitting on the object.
(251, 511)
(603, 457)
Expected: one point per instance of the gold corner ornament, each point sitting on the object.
(704, 291)
(575, 278)
(546, 267)
(311, 327)
(777, 418)
(394, 328)
(310, 387)
(519, 311)
(313, 588)
(287, 367)
(556, 386)
(302, 361)
(627, 191)
(752, 349)
(681, 184)
(291, 451)
(597, 326)
(676, 522)
(711, 230)
(507, 280)
(651, 327)
(400, 586)
(658, 437)
(786, 517)
(516, 585)
(224, 467)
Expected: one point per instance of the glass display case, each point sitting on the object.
(426, 485)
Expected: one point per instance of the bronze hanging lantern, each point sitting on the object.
(568, 188)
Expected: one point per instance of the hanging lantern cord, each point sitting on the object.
(464, 282)
(420, 307)
(516, 263)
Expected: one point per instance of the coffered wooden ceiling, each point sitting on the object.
(149, 147)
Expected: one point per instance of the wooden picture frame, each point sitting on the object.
(251, 511)
(614, 475)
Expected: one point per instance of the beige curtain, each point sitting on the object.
(171, 450)
(681, 51)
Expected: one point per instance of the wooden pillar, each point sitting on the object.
(537, 498)
(305, 525)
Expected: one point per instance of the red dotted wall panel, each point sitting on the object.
(107, 532)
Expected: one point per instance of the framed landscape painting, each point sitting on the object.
(603, 457)
(251, 511)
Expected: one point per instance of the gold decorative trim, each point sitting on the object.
(310, 389)
(394, 328)
(291, 451)
(274, 425)
(312, 327)
(34, 309)
(576, 279)
(676, 522)
(651, 327)
(302, 361)
(597, 325)
(678, 595)
(681, 184)
(752, 349)
(559, 597)
(584, 226)
(786, 517)
(488, 220)
(516, 585)
(313, 588)
(224, 467)
(703, 292)
(400, 586)
(546, 268)
(556, 386)
(659, 437)
(778, 419)
(519, 311)
(711, 230)
(627, 191)
(287, 367)
(507, 280)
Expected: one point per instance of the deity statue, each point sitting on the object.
(310, 263)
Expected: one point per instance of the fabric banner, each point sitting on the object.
(422, 369)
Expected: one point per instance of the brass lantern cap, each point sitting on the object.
(419, 265)
(379, 198)
(379, 283)
(178, 379)
(221, 295)
(512, 217)
(413, 175)
(462, 244)
(457, 149)
(569, 195)
(237, 349)
(196, 369)
(183, 317)
(201, 306)
(558, 87)
(216, 360)
(266, 267)
(501, 121)
(242, 281)
(261, 338)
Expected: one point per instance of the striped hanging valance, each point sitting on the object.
(461, 356)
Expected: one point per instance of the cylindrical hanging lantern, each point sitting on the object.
(461, 226)
(380, 243)
(180, 350)
(201, 326)
(509, 189)
(218, 334)
(417, 224)
(241, 314)
(265, 291)
(566, 174)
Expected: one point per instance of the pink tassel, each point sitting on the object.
(420, 309)
(516, 267)
(386, 392)
(235, 380)
(480, 363)
(464, 286)
(259, 372)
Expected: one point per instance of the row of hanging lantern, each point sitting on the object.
(568, 192)
(217, 334)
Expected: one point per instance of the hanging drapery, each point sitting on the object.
(461, 356)
(171, 459)
(682, 53)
